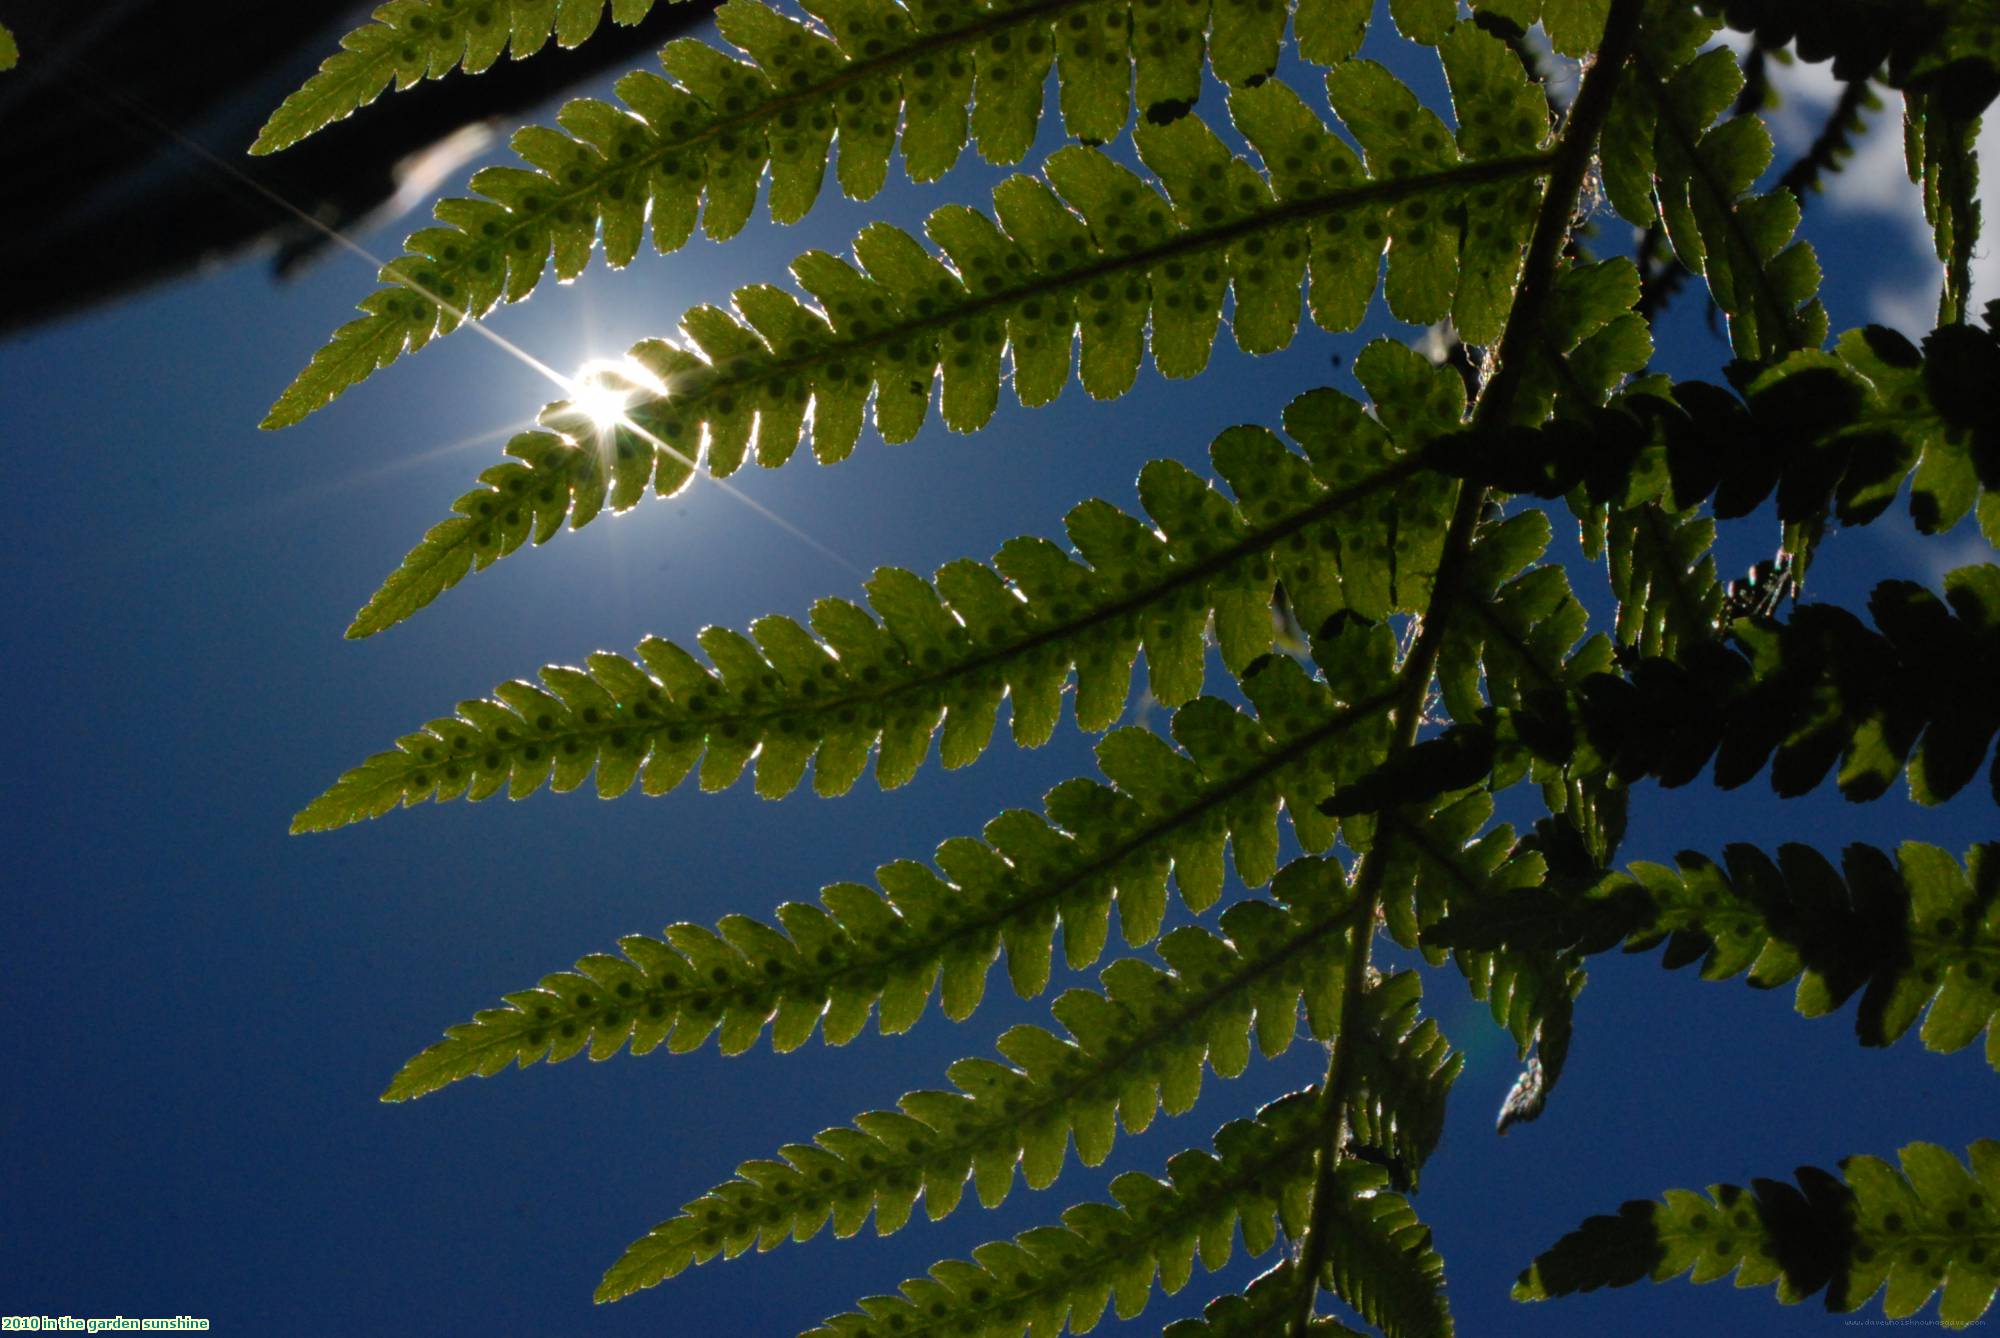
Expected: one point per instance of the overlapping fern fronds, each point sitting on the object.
(1802, 697)
(1911, 934)
(1438, 656)
(1134, 1049)
(1165, 811)
(1255, 1182)
(951, 649)
(1930, 1226)
(1827, 435)
(700, 145)
(1127, 262)
(1677, 167)
(1036, 272)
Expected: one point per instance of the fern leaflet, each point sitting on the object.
(1032, 279)
(1670, 166)
(1932, 1225)
(1112, 1253)
(411, 40)
(1909, 935)
(1168, 811)
(1136, 1048)
(1261, 1310)
(952, 648)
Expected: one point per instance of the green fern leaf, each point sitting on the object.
(1033, 279)
(1944, 160)
(709, 135)
(1573, 26)
(1666, 162)
(1932, 1226)
(1662, 574)
(1168, 810)
(952, 648)
(1592, 339)
(10, 51)
(1133, 1050)
(412, 40)
(1919, 933)
(1523, 624)
(1264, 1308)
(1518, 641)
(738, 382)
(1448, 859)
(1257, 1179)
(1802, 697)
(1942, 54)
(1400, 1071)
(932, 61)
(1837, 433)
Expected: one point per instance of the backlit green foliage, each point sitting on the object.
(1930, 1227)
(1379, 588)
(1911, 934)
(411, 40)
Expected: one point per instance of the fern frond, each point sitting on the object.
(1165, 810)
(1943, 155)
(1521, 626)
(953, 647)
(1518, 638)
(1381, 1264)
(1914, 934)
(1592, 339)
(408, 41)
(1823, 689)
(1449, 858)
(1837, 433)
(1665, 160)
(1134, 1049)
(1038, 274)
(1834, 144)
(919, 60)
(1402, 1068)
(702, 143)
(1662, 574)
(1942, 55)
(1262, 1309)
(10, 50)
(1930, 1226)
(1574, 27)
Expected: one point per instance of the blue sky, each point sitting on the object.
(206, 1008)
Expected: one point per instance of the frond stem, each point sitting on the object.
(1553, 225)
(1832, 143)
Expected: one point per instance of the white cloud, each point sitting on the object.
(1986, 258)
(1876, 181)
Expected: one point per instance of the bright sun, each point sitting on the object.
(603, 387)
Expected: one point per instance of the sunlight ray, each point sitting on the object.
(570, 386)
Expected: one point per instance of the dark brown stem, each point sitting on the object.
(1495, 407)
